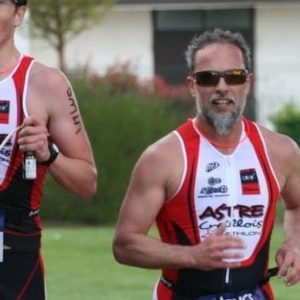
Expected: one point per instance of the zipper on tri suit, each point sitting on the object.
(230, 176)
(227, 279)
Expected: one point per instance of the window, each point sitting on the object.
(173, 30)
(181, 20)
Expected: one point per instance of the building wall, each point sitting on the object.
(127, 35)
(122, 36)
(277, 58)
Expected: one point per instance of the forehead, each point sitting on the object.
(220, 57)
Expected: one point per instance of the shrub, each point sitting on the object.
(121, 121)
(287, 121)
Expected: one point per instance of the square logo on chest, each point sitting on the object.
(249, 181)
(4, 111)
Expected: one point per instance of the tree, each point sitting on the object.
(58, 21)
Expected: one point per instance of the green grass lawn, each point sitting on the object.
(80, 266)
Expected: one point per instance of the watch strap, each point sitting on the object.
(53, 149)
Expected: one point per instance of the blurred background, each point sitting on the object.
(126, 62)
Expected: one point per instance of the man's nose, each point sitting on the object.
(222, 85)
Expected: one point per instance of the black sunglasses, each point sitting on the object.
(211, 78)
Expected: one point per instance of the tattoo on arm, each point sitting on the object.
(74, 111)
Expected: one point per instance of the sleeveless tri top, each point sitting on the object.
(240, 190)
(20, 199)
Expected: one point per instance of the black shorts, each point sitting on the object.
(22, 276)
(249, 294)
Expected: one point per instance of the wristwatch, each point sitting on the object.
(54, 151)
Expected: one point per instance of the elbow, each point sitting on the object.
(119, 252)
(88, 193)
(91, 187)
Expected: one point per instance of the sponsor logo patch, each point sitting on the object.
(249, 181)
(212, 190)
(213, 181)
(4, 111)
(212, 166)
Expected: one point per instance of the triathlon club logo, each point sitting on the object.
(212, 166)
(213, 181)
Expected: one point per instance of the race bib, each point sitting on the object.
(252, 294)
(1, 234)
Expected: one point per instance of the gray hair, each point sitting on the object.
(217, 36)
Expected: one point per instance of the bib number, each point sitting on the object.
(1, 234)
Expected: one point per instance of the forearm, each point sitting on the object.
(75, 175)
(141, 250)
(287, 256)
(291, 225)
(146, 252)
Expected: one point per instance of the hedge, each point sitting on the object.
(287, 121)
(120, 125)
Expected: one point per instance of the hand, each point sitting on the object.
(33, 136)
(213, 252)
(288, 261)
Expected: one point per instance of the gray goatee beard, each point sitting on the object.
(222, 123)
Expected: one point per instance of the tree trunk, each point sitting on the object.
(61, 54)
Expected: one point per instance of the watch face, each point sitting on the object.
(55, 148)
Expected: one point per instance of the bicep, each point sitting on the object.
(291, 189)
(144, 198)
(291, 192)
(65, 124)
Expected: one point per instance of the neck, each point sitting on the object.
(8, 61)
(8, 69)
(229, 141)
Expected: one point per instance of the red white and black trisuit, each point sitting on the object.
(240, 190)
(21, 272)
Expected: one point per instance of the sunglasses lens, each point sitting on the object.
(207, 78)
(235, 77)
(211, 78)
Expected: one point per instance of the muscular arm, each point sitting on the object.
(291, 197)
(288, 256)
(145, 197)
(286, 163)
(54, 113)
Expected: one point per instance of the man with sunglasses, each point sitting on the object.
(212, 186)
(37, 109)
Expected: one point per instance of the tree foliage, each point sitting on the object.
(121, 120)
(287, 121)
(58, 21)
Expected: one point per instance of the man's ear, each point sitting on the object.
(20, 14)
(190, 81)
(250, 81)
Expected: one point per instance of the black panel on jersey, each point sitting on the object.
(16, 202)
(181, 236)
(192, 282)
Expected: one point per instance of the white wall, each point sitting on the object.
(22, 39)
(277, 59)
(126, 35)
(121, 36)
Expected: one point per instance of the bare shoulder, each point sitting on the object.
(279, 145)
(45, 76)
(45, 86)
(163, 161)
(164, 152)
(284, 154)
(163, 149)
(51, 96)
(48, 87)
